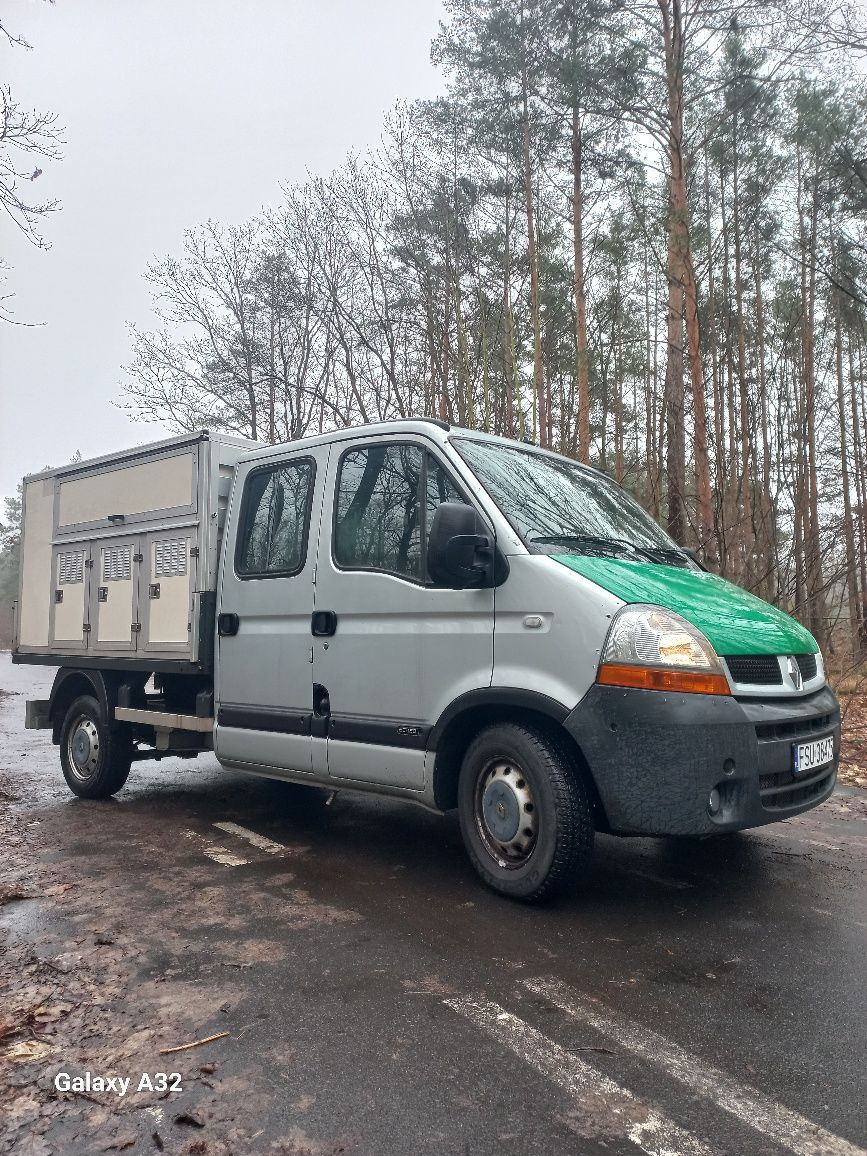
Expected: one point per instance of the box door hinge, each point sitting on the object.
(194, 551)
(135, 627)
(138, 557)
(85, 629)
(314, 575)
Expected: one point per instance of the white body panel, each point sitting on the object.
(148, 487)
(118, 510)
(36, 580)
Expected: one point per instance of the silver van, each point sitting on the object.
(444, 616)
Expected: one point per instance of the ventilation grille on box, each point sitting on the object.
(170, 558)
(71, 567)
(117, 563)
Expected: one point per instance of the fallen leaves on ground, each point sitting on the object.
(853, 752)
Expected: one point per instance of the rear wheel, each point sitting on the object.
(95, 758)
(524, 811)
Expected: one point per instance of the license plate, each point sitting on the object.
(810, 756)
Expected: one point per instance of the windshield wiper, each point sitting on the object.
(583, 540)
(662, 553)
(594, 541)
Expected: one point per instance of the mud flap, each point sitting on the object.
(36, 715)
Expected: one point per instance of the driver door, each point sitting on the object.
(399, 648)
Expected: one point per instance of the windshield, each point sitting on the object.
(560, 507)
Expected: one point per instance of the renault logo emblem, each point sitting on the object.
(794, 672)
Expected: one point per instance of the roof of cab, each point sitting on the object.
(428, 425)
(439, 431)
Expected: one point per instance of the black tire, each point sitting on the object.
(539, 771)
(95, 758)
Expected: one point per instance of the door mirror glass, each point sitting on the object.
(460, 548)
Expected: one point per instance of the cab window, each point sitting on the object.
(275, 516)
(381, 522)
(377, 516)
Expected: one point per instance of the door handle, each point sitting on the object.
(227, 625)
(323, 623)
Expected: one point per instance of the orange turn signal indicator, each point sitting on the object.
(653, 678)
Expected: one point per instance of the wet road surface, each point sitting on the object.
(695, 997)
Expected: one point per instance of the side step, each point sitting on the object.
(163, 720)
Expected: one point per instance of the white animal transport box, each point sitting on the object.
(119, 556)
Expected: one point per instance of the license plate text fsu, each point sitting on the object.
(811, 756)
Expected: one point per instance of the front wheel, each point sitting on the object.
(525, 815)
(95, 758)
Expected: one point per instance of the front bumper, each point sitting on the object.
(656, 757)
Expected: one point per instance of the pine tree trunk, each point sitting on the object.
(532, 260)
(508, 322)
(767, 535)
(676, 252)
(848, 521)
(745, 521)
(581, 358)
(712, 550)
(815, 582)
(860, 487)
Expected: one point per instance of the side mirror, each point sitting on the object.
(460, 550)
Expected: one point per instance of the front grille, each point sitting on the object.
(807, 665)
(781, 791)
(757, 669)
(796, 729)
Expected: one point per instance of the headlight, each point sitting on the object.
(654, 649)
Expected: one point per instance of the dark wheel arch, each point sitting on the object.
(470, 713)
(72, 682)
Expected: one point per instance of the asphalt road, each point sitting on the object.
(695, 998)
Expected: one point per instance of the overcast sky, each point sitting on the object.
(174, 111)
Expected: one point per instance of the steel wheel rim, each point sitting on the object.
(82, 747)
(505, 813)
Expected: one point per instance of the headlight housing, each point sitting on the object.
(650, 648)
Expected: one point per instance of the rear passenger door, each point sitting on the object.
(264, 684)
(399, 648)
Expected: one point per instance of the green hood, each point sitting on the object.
(734, 621)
